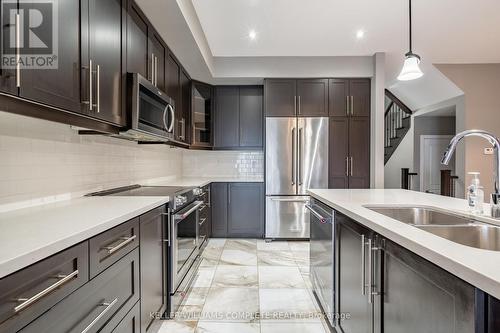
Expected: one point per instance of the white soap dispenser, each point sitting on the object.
(475, 194)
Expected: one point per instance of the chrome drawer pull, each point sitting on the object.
(113, 249)
(26, 302)
(320, 217)
(96, 319)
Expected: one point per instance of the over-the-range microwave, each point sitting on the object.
(151, 112)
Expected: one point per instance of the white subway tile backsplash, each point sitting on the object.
(223, 163)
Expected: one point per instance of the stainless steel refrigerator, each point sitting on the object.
(296, 160)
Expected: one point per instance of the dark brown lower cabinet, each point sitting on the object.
(385, 288)
(237, 210)
(131, 322)
(349, 152)
(99, 305)
(152, 275)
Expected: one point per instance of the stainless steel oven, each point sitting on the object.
(151, 112)
(184, 236)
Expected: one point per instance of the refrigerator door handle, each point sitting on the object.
(299, 160)
(293, 156)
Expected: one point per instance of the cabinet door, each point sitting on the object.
(312, 98)
(227, 117)
(157, 59)
(218, 197)
(105, 53)
(352, 258)
(152, 278)
(338, 97)
(421, 297)
(359, 90)
(359, 152)
(280, 98)
(202, 109)
(137, 41)
(251, 116)
(58, 87)
(185, 106)
(172, 88)
(338, 174)
(131, 322)
(245, 210)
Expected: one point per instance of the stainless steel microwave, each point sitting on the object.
(151, 112)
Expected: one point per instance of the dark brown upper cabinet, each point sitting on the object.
(302, 97)
(158, 52)
(58, 87)
(280, 97)
(349, 148)
(202, 108)
(137, 41)
(185, 83)
(312, 98)
(349, 97)
(239, 117)
(101, 58)
(251, 123)
(173, 90)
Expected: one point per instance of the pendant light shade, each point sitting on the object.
(411, 69)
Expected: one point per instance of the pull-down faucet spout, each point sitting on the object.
(493, 140)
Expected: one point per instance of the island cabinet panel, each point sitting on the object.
(40, 286)
(388, 289)
(419, 296)
(99, 305)
(352, 276)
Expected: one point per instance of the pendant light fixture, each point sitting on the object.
(411, 69)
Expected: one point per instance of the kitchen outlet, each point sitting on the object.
(488, 151)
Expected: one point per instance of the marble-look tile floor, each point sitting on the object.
(250, 286)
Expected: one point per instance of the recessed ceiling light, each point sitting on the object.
(360, 34)
(252, 34)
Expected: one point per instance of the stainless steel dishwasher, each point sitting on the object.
(322, 257)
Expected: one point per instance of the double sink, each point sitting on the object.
(453, 227)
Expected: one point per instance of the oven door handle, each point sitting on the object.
(195, 205)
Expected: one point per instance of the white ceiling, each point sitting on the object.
(446, 31)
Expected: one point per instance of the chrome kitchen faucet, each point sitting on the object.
(495, 196)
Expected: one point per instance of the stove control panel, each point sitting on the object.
(180, 200)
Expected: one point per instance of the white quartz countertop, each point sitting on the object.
(202, 181)
(480, 268)
(32, 234)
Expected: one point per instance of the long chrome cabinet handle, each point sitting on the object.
(167, 215)
(299, 105)
(26, 302)
(98, 88)
(108, 307)
(370, 272)
(347, 109)
(299, 148)
(91, 88)
(321, 218)
(352, 105)
(113, 249)
(352, 166)
(18, 52)
(156, 71)
(363, 266)
(290, 200)
(153, 68)
(293, 156)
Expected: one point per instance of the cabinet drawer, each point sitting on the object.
(111, 245)
(131, 322)
(101, 303)
(26, 294)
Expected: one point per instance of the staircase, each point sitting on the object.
(397, 124)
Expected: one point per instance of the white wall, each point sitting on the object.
(42, 160)
(377, 122)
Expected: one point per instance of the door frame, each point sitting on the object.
(421, 162)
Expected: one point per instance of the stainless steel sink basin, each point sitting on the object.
(421, 216)
(481, 236)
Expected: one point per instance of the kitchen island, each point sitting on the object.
(390, 273)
